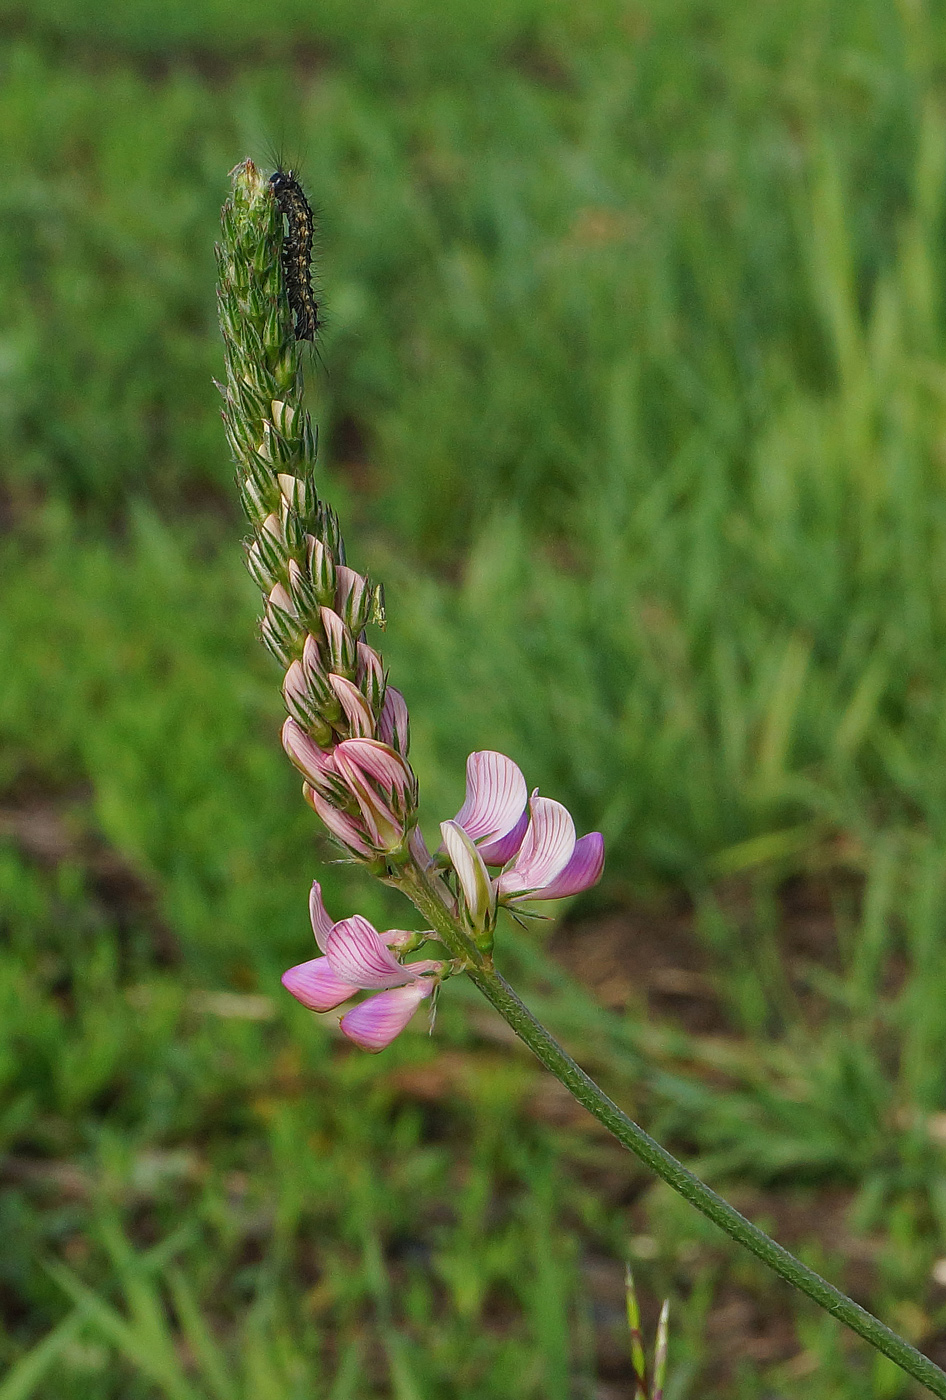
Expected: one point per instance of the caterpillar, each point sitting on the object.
(297, 252)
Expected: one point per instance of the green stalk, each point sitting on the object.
(558, 1062)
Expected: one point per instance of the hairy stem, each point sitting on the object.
(557, 1060)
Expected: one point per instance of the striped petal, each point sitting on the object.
(322, 925)
(503, 850)
(582, 871)
(343, 827)
(394, 723)
(317, 985)
(546, 849)
(479, 896)
(375, 1022)
(496, 796)
(359, 955)
(356, 707)
(315, 764)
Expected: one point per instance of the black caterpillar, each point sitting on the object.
(297, 252)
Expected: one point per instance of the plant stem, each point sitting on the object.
(557, 1060)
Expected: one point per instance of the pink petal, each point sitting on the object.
(370, 669)
(340, 824)
(394, 723)
(503, 850)
(356, 707)
(496, 794)
(359, 955)
(384, 826)
(317, 985)
(545, 851)
(281, 599)
(418, 849)
(375, 1022)
(582, 871)
(381, 763)
(316, 765)
(476, 887)
(322, 925)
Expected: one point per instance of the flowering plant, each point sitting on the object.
(348, 734)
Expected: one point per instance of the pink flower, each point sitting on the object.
(364, 791)
(533, 839)
(355, 958)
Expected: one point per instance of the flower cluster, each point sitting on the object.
(532, 838)
(355, 957)
(348, 730)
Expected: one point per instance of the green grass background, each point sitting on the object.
(634, 394)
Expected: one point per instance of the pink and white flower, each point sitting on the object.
(355, 958)
(533, 838)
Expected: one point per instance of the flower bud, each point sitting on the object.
(272, 547)
(394, 722)
(313, 762)
(477, 889)
(340, 644)
(357, 710)
(322, 570)
(299, 493)
(304, 706)
(284, 417)
(302, 591)
(371, 680)
(257, 569)
(353, 599)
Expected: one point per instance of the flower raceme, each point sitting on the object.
(532, 838)
(356, 958)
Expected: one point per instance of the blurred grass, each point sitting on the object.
(635, 397)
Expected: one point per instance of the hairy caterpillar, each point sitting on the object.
(297, 252)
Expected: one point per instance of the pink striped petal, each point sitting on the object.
(343, 827)
(359, 955)
(316, 765)
(545, 851)
(375, 1022)
(582, 871)
(384, 826)
(496, 795)
(503, 850)
(322, 925)
(394, 722)
(317, 985)
(479, 896)
(356, 707)
(387, 768)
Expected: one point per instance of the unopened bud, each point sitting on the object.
(302, 591)
(361, 722)
(315, 765)
(353, 599)
(299, 493)
(257, 569)
(272, 546)
(284, 417)
(340, 644)
(304, 706)
(371, 680)
(322, 570)
(394, 723)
